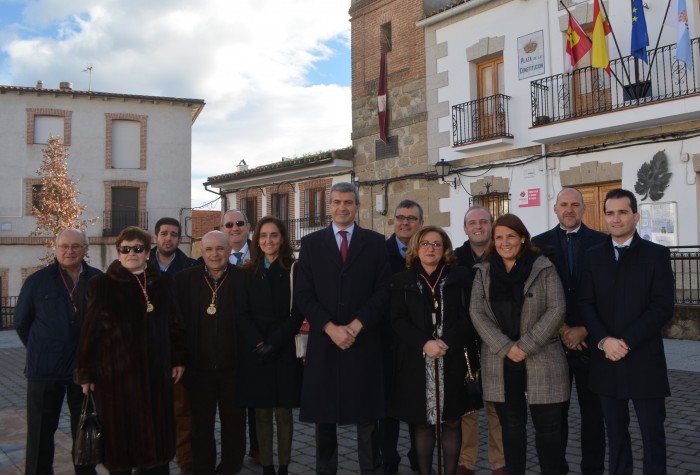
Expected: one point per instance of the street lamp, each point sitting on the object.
(443, 168)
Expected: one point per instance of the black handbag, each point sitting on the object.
(87, 449)
(472, 380)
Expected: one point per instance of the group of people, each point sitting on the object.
(405, 329)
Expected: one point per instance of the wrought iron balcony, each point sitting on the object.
(479, 120)
(115, 221)
(589, 91)
(298, 228)
(686, 270)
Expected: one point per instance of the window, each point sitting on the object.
(249, 207)
(315, 206)
(279, 204)
(126, 144)
(36, 197)
(385, 37)
(125, 208)
(45, 126)
(497, 203)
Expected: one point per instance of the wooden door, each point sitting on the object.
(490, 83)
(593, 198)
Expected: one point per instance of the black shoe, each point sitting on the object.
(282, 470)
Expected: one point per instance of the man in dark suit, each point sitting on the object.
(408, 219)
(626, 298)
(342, 289)
(478, 223)
(565, 244)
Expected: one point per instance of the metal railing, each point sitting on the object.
(479, 120)
(686, 269)
(115, 221)
(7, 312)
(300, 227)
(589, 91)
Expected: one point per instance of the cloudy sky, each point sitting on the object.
(275, 74)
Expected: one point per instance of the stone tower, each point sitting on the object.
(400, 169)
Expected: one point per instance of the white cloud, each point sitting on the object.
(248, 59)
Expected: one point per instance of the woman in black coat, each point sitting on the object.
(429, 313)
(270, 372)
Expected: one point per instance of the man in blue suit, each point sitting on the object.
(565, 244)
(342, 289)
(626, 298)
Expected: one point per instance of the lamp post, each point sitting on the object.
(443, 168)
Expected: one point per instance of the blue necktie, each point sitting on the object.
(238, 256)
(570, 252)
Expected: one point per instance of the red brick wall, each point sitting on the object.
(204, 221)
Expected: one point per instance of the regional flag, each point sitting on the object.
(577, 42)
(640, 36)
(381, 98)
(601, 27)
(683, 51)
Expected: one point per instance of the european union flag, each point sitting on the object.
(640, 37)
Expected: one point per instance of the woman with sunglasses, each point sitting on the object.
(429, 313)
(131, 352)
(268, 320)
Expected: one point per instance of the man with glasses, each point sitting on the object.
(237, 227)
(408, 219)
(171, 260)
(48, 316)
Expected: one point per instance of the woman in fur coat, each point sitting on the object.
(130, 353)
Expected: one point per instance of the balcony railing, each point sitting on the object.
(589, 91)
(298, 228)
(115, 221)
(479, 120)
(686, 269)
(7, 312)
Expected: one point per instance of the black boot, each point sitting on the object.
(282, 470)
(269, 470)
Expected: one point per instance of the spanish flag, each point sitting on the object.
(577, 42)
(601, 27)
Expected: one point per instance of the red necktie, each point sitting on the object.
(343, 245)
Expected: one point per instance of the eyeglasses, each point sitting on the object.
(229, 225)
(410, 219)
(70, 247)
(427, 244)
(138, 249)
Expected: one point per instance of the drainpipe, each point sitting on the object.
(546, 184)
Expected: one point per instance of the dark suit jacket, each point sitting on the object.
(343, 386)
(396, 260)
(551, 244)
(632, 300)
(464, 255)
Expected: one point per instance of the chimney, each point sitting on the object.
(242, 166)
(40, 84)
(65, 86)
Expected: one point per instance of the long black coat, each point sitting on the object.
(553, 247)
(262, 315)
(343, 386)
(129, 354)
(412, 321)
(632, 300)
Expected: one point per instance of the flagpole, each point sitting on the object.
(619, 53)
(656, 49)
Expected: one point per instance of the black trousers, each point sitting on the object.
(158, 470)
(513, 416)
(591, 428)
(370, 459)
(211, 389)
(44, 403)
(651, 414)
(389, 438)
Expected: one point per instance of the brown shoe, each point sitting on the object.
(499, 471)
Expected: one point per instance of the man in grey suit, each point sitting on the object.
(342, 289)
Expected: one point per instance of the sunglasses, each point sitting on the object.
(138, 249)
(240, 224)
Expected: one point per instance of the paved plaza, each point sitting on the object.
(682, 424)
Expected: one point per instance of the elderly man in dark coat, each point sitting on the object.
(342, 290)
(626, 298)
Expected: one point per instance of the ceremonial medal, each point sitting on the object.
(149, 307)
(144, 290)
(211, 310)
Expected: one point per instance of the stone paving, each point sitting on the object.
(682, 424)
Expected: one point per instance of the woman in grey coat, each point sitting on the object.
(517, 306)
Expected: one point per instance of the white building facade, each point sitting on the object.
(516, 125)
(130, 156)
